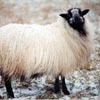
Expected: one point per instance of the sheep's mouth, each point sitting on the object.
(76, 23)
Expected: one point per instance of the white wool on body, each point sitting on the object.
(52, 49)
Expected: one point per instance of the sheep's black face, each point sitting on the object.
(75, 18)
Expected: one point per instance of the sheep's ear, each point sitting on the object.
(65, 16)
(84, 12)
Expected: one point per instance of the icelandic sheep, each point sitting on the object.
(54, 49)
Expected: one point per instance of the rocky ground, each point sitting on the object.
(83, 84)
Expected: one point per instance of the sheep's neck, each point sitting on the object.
(82, 32)
(80, 29)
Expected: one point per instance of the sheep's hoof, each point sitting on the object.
(64, 87)
(57, 85)
(57, 90)
(10, 97)
(8, 86)
(65, 91)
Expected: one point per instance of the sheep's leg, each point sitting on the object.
(8, 86)
(64, 88)
(57, 85)
(36, 75)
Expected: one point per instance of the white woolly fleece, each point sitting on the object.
(52, 49)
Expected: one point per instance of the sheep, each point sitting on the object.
(55, 49)
(72, 15)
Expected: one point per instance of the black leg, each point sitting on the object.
(8, 86)
(64, 88)
(57, 85)
(36, 75)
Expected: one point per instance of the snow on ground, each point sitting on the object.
(83, 84)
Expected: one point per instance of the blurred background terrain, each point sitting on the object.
(83, 84)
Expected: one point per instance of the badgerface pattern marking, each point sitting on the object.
(75, 18)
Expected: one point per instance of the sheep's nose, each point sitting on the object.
(77, 19)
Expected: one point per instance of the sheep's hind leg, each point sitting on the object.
(64, 88)
(57, 85)
(8, 86)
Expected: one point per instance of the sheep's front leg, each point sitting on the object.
(64, 88)
(57, 85)
(8, 86)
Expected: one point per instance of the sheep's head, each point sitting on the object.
(75, 17)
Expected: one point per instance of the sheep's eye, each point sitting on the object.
(69, 15)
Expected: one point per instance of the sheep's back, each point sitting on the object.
(27, 49)
(50, 49)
